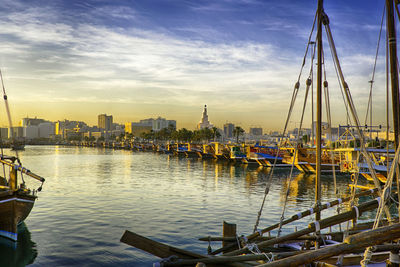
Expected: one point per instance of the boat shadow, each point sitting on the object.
(20, 253)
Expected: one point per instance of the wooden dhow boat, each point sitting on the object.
(16, 200)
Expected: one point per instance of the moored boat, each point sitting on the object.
(16, 201)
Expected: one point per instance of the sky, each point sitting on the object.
(148, 58)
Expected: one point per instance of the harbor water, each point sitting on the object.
(91, 196)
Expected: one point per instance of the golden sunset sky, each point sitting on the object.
(139, 59)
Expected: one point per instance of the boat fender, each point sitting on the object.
(378, 199)
(372, 190)
(299, 215)
(311, 211)
(357, 212)
(328, 205)
(340, 200)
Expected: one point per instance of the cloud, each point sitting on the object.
(56, 57)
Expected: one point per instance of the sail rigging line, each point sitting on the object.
(308, 83)
(312, 95)
(354, 113)
(329, 119)
(384, 198)
(369, 106)
(294, 95)
(8, 111)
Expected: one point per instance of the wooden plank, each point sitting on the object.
(350, 244)
(228, 230)
(330, 221)
(164, 251)
(217, 260)
(156, 248)
(297, 217)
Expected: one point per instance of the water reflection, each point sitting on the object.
(160, 196)
(21, 253)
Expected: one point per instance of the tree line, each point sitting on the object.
(185, 135)
(170, 134)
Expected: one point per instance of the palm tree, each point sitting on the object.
(216, 133)
(238, 131)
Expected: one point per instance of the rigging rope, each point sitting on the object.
(369, 106)
(353, 112)
(295, 154)
(294, 95)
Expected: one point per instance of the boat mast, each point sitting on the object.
(394, 78)
(319, 113)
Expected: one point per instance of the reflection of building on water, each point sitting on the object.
(22, 253)
(299, 186)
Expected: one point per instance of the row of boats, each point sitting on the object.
(343, 159)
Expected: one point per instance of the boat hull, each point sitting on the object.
(14, 208)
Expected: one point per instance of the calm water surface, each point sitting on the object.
(91, 196)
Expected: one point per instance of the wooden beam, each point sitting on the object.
(228, 230)
(350, 244)
(156, 248)
(164, 251)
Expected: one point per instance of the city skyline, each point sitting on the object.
(77, 59)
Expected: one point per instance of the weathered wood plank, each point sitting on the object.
(311, 227)
(228, 230)
(299, 216)
(357, 241)
(164, 251)
(156, 248)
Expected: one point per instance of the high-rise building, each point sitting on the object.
(228, 129)
(204, 122)
(256, 131)
(105, 122)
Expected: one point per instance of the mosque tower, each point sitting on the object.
(204, 123)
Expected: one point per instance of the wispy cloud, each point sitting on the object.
(88, 60)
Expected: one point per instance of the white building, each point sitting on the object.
(16, 132)
(46, 129)
(31, 132)
(204, 123)
(155, 124)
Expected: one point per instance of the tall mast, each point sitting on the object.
(394, 78)
(319, 107)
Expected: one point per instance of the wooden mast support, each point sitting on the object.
(394, 78)
(319, 113)
(22, 169)
(13, 179)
